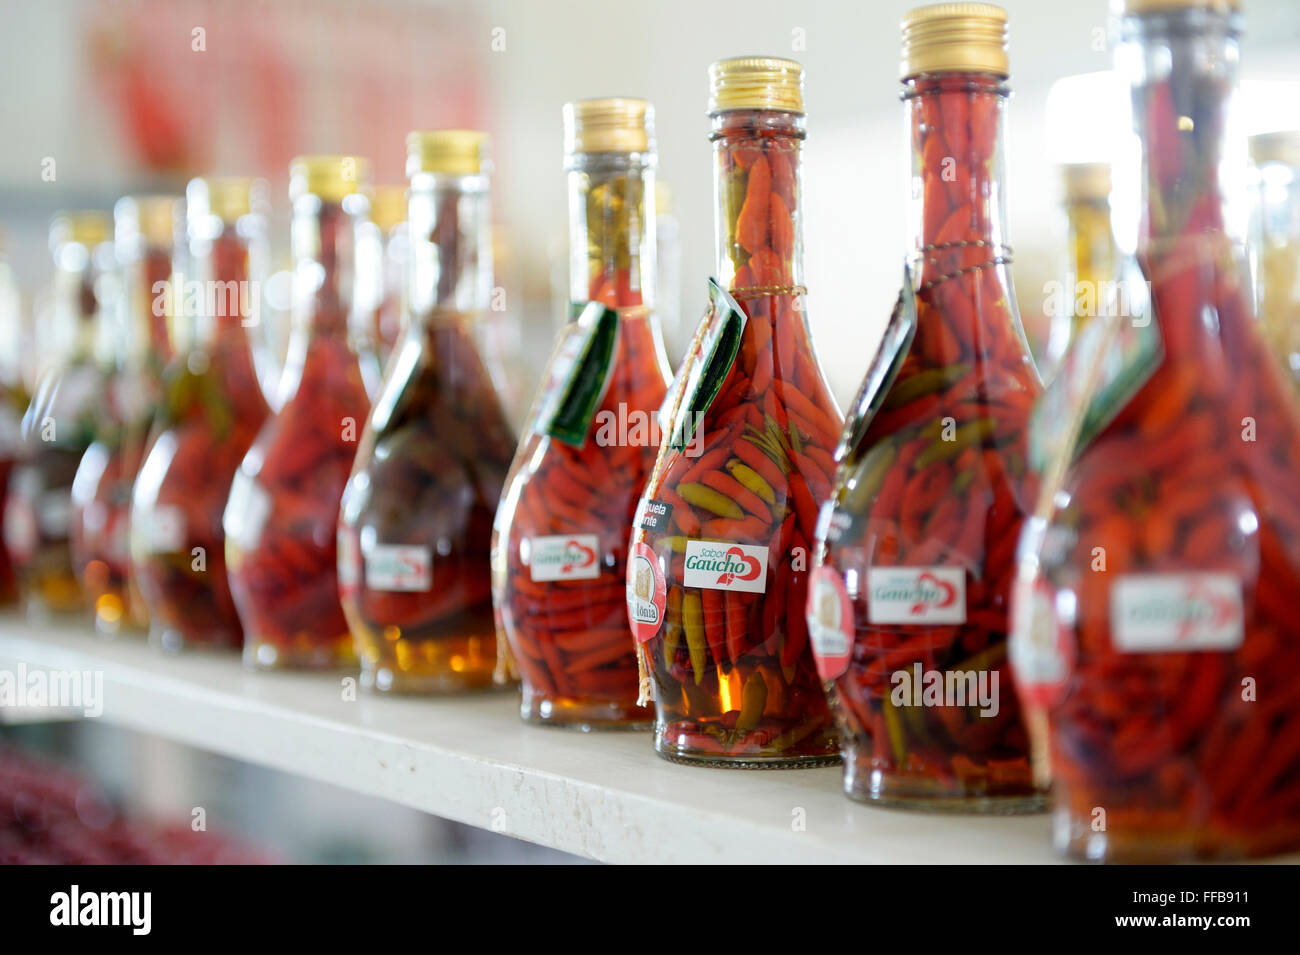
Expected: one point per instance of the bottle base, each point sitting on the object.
(583, 716)
(876, 787)
(398, 683)
(1087, 840)
(173, 640)
(262, 655)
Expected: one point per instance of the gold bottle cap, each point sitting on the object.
(229, 198)
(88, 228)
(955, 38)
(1280, 146)
(756, 82)
(150, 218)
(452, 152)
(615, 124)
(332, 178)
(1139, 7)
(1086, 181)
(388, 206)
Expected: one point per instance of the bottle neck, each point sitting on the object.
(221, 301)
(148, 300)
(957, 201)
(449, 267)
(76, 309)
(612, 229)
(1182, 71)
(324, 237)
(757, 193)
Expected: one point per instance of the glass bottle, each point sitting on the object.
(279, 521)
(99, 532)
(911, 595)
(1091, 257)
(1156, 638)
(1275, 242)
(212, 409)
(717, 577)
(60, 421)
(561, 537)
(415, 526)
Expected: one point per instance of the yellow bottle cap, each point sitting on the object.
(1280, 146)
(756, 82)
(453, 152)
(1086, 181)
(87, 227)
(955, 38)
(151, 218)
(617, 124)
(332, 178)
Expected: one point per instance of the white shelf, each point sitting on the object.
(605, 796)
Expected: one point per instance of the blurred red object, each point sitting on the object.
(50, 815)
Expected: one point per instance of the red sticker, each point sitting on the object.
(646, 592)
(830, 622)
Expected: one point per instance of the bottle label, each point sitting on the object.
(719, 345)
(167, 530)
(578, 375)
(54, 512)
(566, 557)
(654, 515)
(720, 565)
(916, 595)
(647, 595)
(22, 536)
(399, 567)
(830, 622)
(348, 560)
(1041, 648)
(1153, 613)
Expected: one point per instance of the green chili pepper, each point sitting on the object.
(702, 495)
(924, 383)
(968, 434)
(693, 624)
(752, 700)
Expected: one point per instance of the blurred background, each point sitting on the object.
(130, 96)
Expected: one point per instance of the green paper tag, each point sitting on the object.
(719, 347)
(578, 375)
(1108, 364)
(894, 347)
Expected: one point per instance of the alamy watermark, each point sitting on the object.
(53, 689)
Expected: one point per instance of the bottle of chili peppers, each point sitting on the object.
(718, 567)
(1091, 265)
(1275, 242)
(1156, 636)
(99, 532)
(211, 410)
(60, 421)
(415, 527)
(910, 599)
(283, 508)
(561, 536)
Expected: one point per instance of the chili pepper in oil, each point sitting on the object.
(915, 562)
(716, 589)
(560, 551)
(1156, 641)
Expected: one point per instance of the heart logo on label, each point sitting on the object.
(947, 591)
(588, 556)
(751, 574)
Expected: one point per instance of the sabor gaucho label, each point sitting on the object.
(399, 567)
(565, 557)
(724, 566)
(916, 595)
(1174, 612)
(830, 622)
(647, 594)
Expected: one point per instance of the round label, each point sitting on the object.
(830, 622)
(1042, 651)
(647, 594)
